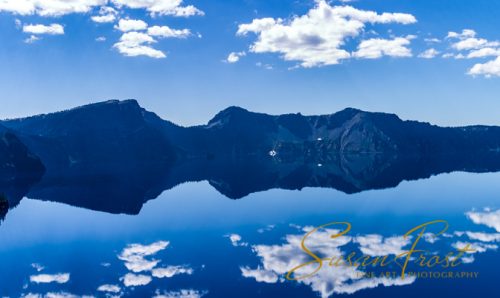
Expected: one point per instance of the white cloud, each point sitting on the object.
(484, 52)
(134, 280)
(181, 294)
(167, 32)
(432, 40)
(268, 67)
(38, 267)
(469, 43)
(260, 275)
(139, 264)
(370, 283)
(137, 44)
(488, 217)
(161, 7)
(468, 259)
(106, 15)
(234, 57)
(104, 19)
(171, 271)
(134, 255)
(316, 38)
(467, 40)
(277, 260)
(50, 278)
(466, 33)
(376, 47)
(377, 246)
(100, 39)
(56, 295)
(258, 25)
(126, 25)
(476, 247)
(106, 11)
(476, 48)
(53, 29)
(266, 229)
(49, 7)
(65, 295)
(430, 238)
(429, 53)
(484, 237)
(109, 288)
(32, 39)
(281, 258)
(236, 240)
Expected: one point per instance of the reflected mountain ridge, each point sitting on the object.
(114, 156)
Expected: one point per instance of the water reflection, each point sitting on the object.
(154, 268)
(192, 242)
(334, 277)
(126, 187)
(142, 266)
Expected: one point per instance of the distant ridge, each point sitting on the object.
(112, 127)
(115, 155)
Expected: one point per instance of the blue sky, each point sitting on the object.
(433, 61)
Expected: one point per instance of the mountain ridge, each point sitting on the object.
(236, 130)
(133, 153)
(115, 155)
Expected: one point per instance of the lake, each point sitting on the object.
(192, 241)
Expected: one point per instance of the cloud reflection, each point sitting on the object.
(260, 275)
(277, 260)
(134, 280)
(236, 240)
(109, 288)
(487, 217)
(50, 278)
(134, 256)
(378, 246)
(56, 295)
(484, 237)
(171, 271)
(181, 294)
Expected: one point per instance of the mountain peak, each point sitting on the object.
(228, 114)
(232, 110)
(109, 103)
(351, 110)
(119, 114)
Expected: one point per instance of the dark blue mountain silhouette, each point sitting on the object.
(114, 155)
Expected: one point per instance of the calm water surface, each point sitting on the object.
(194, 242)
